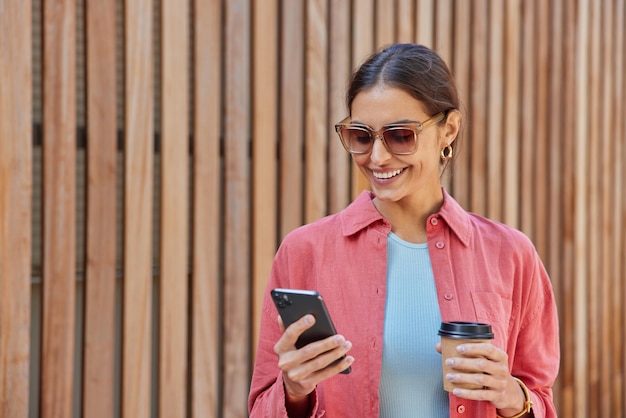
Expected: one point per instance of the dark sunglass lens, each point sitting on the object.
(400, 139)
(357, 139)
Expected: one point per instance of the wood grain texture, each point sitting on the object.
(461, 69)
(363, 44)
(291, 173)
(542, 149)
(581, 215)
(511, 104)
(264, 149)
(59, 202)
(15, 206)
(100, 270)
(495, 111)
(405, 18)
(478, 102)
(425, 22)
(138, 192)
(316, 111)
(206, 210)
(339, 161)
(174, 279)
(237, 293)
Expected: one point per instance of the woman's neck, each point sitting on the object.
(408, 218)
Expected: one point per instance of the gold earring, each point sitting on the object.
(446, 152)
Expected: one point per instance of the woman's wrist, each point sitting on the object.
(527, 406)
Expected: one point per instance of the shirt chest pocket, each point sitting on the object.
(491, 308)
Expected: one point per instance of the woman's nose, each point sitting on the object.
(380, 153)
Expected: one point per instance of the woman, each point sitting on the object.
(399, 260)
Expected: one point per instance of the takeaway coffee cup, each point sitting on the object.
(456, 333)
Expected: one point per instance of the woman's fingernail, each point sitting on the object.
(449, 362)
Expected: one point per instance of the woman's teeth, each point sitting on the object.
(387, 175)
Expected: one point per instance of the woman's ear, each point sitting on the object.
(451, 127)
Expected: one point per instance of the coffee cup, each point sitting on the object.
(452, 335)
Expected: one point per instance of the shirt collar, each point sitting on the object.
(362, 213)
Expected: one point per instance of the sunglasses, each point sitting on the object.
(398, 138)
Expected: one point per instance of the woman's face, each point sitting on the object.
(398, 178)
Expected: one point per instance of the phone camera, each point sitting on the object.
(282, 300)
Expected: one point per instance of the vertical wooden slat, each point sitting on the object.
(461, 70)
(405, 27)
(618, 247)
(593, 111)
(495, 101)
(362, 46)
(15, 205)
(527, 118)
(424, 22)
(540, 131)
(557, 144)
(99, 322)
(511, 104)
(581, 217)
(443, 40)
(606, 160)
(138, 183)
(264, 146)
(316, 112)
(237, 294)
(385, 22)
(444, 30)
(206, 318)
(291, 116)
(174, 208)
(338, 159)
(569, 286)
(59, 222)
(478, 103)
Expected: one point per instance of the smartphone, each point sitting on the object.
(293, 304)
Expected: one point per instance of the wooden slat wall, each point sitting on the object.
(224, 130)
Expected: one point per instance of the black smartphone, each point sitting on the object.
(293, 304)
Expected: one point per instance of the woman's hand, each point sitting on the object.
(487, 366)
(304, 368)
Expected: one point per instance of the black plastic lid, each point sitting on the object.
(466, 330)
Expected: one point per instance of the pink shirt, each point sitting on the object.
(484, 271)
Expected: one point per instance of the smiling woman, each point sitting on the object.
(434, 260)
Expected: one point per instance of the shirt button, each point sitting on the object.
(434, 221)
(440, 244)
(448, 296)
(460, 409)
